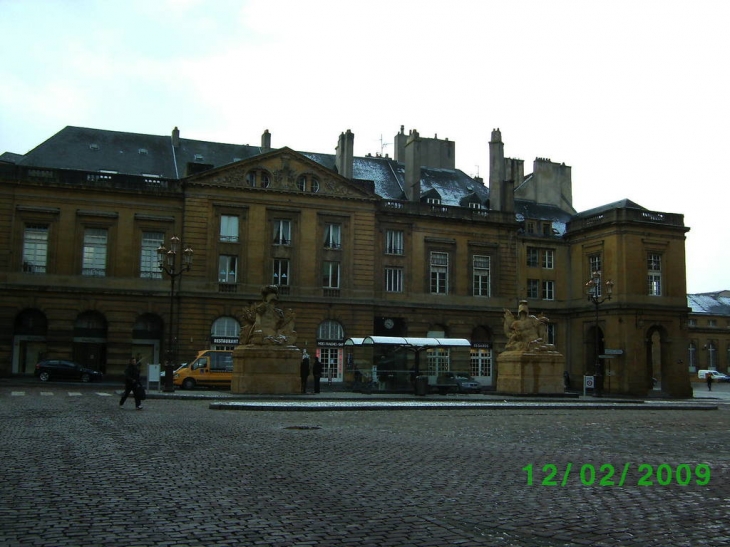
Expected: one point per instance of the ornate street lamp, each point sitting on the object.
(167, 260)
(596, 298)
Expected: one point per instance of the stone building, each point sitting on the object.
(709, 332)
(359, 246)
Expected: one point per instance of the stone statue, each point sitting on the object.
(266, 324)
(526, 332)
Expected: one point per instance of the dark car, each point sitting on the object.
(59, 369)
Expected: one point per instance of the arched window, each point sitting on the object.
(308, 183)
(224, 333)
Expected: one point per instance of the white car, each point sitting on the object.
(716, 376)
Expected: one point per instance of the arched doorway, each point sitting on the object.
(481, 356)
(29, 340)
(330, 349)
(89, 343)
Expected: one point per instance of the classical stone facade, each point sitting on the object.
(357, 246)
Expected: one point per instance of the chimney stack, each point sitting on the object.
(176, 137)
(344, 156)
(496, 171)
(265, 142)
(413, 167)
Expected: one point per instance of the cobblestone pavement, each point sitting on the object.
(80, 471)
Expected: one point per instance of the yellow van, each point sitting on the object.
(210, 368)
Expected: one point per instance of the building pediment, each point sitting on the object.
(281, 170)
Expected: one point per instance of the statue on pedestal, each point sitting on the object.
(526, 332)
(266, 324)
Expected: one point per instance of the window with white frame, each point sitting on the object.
(711, 356)
(281, 273)
(331, 275)
(481, 362)
(394, 279)
(548, 259)
(594, 265)
(227, 269)
(533, 288)
(437, 361)
(692, 356)
(654, 274)
(439, 272)
(481, 275)
(149, 261)
(229, 228)
(394, 242)
(548, 290)
(282, 231)
(35, 248)
(94, 253)
(533, 257)
(332, 236)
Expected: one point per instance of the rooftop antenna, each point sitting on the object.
(383, 144)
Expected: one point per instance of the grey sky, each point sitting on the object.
(632, 95)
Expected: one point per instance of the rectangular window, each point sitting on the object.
(439, 273)
(229, 228)
(394, 242)
(533, 257)
(437, 361)
(331, 275)
(654, 275)
(282, 232)
(332, 236)
(394, 279)
(548, 259)
(533, 288)
(149, 262)
(551, 333)
(548, 290)
(482, 279)
(595, 265)
(281, 273)
(94, 255)
(35, 249)
(227, 269)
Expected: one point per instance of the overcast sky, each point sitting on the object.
(633, 95)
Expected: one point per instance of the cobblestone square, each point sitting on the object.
(81, 471)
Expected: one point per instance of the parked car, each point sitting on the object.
(59, 369)
(459, 382)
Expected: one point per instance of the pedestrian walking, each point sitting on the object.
(131, 384)
(708, 377)
(304, 370)
(317, 373)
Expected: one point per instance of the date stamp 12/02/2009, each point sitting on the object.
(607, 475)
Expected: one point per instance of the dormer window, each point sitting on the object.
(198, 158)
(94, 147)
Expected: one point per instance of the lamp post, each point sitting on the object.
(594, 296)
(167, 260)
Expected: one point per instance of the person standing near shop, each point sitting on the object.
(708, 377)
(131, 384)
(317, 373)
(304, 370)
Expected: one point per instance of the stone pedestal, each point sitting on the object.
(271, 370)
(528, 372)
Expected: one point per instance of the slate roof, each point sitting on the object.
(87, 149)
(621, 204)
(715, 303)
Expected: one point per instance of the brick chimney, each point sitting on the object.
(344, 154)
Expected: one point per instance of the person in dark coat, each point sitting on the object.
(131, 383)
(317, 373)
(708, 377)
(304, 370)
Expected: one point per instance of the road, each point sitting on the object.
(80, 471)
